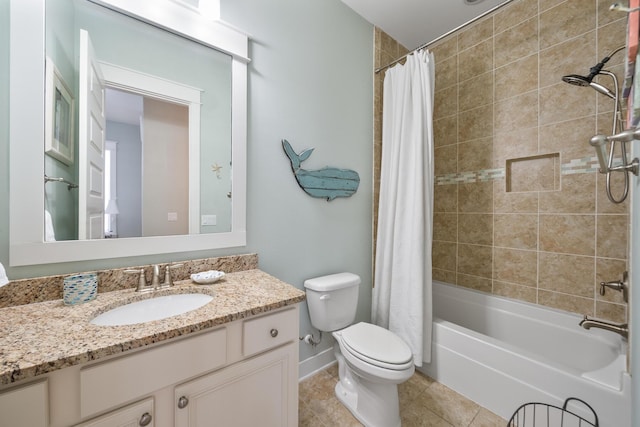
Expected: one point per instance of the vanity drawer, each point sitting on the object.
(139, 413)
(269, 331)
(112, 383)
(25, 405)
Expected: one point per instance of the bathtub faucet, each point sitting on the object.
(618, 285)
(618, 328)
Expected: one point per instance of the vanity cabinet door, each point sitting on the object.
(25, 406)
(138, 414)
(262, 391)
(134, 376)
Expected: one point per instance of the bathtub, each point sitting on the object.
(502, 353)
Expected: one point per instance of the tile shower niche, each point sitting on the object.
(533, 173)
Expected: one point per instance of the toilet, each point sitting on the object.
(372, 361)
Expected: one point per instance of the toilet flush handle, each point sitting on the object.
(325, 297)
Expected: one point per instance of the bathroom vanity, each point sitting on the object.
(233, 361)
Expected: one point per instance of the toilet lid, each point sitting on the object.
(374, 343)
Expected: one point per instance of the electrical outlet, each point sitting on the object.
(208, 220)
(172, 216)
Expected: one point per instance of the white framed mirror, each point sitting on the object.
(27, 135)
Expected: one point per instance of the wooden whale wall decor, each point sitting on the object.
(327, 182)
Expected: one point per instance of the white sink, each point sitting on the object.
(151, 309)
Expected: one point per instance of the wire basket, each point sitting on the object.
(545, 415)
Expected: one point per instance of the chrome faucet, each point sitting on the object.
(618, 328)
(142, 282)
(168, 280)
(155, 279)
(621, 285)
(618, 285)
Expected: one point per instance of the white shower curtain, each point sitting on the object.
(402, 292)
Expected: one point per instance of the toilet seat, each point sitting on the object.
(376, 346)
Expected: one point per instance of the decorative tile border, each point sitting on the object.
(482, 175)
(585, 165)
(572, 167)
(575, 166)
(490, 174)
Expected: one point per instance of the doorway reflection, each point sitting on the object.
(149, 135)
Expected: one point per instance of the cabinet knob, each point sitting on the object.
(274, 332)
(145, 419)
(183, 402)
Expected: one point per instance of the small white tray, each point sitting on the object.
(207, 277)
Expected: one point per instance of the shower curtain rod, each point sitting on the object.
(442, 36)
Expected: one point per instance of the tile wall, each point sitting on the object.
(387, 49)
(520, 210)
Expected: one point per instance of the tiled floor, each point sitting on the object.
(423, 402)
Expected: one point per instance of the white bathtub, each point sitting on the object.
(502, 353)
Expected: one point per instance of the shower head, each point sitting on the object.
(577, 80)
(582, 81)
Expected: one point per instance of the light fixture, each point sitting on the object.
(112, 207)
(472, 2)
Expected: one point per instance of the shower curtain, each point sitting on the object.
(402, 292)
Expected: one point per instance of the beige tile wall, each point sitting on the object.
(387, 50)
(498, 97)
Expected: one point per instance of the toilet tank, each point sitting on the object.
(332, 300)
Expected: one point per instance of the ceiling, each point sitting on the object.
(417, 22)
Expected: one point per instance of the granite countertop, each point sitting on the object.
(47, 336)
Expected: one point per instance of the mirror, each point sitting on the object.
(187, 67)
(171, 76)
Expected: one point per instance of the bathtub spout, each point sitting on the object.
(619, 328)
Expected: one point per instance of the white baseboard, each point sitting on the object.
(314, 364)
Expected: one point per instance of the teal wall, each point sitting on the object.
(310, 81)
